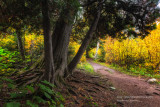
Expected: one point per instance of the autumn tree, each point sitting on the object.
(117, 17)
(18, 14)
(112, 17)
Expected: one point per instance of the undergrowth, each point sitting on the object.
(7, 59)
(34, 95)
(86, 67)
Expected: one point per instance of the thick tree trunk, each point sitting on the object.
(20, 44)
(48, 50)
(85, 43)
(61, 37)
(60, 42)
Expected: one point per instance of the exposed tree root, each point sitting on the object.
(85, 89)
(28, 79)
(90, 90)
(71, 91)
(97, 89)
(33, 75)
(77, 81)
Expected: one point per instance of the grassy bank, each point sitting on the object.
(135, 71)
(86, 67)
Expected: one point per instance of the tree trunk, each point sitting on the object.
(61, 37)
(87, 52)
(48, 50)
(56, 64)
(85, 43)
(97, 50)
(20, 43)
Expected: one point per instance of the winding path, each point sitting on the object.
(139, 93)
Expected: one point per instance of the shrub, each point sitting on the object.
(73, 49)
(135, 51)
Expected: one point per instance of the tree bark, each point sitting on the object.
(20, 43)
(97, 50)
(61, 37)
(48, 50)
(87, 53)
(85, 43)
(60, 42)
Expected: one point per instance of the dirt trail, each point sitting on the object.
(139, 93)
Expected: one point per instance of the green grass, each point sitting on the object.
(158, 82)
(135, 71)
(86, 67)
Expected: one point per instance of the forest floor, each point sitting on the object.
(110, 88)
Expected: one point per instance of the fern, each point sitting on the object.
(45, 89)
(29, 103)
(48, 83)
(13, 104)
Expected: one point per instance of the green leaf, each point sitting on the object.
(45, 89)
(30, 88)
(12, 61)
(60, 96)
(1, 58)
(52, 106)
(8, 80)
(12, 86)
(48, 83)
(61, 105)
(39, 99)
(29, 103)
(13, 95)
(19, 94)
(53, 102)
(47, 95)
(13, 104)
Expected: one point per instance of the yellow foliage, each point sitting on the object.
(33, 41)
(8, 41)
(135, 51)
(92, 52)
(73, 48)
